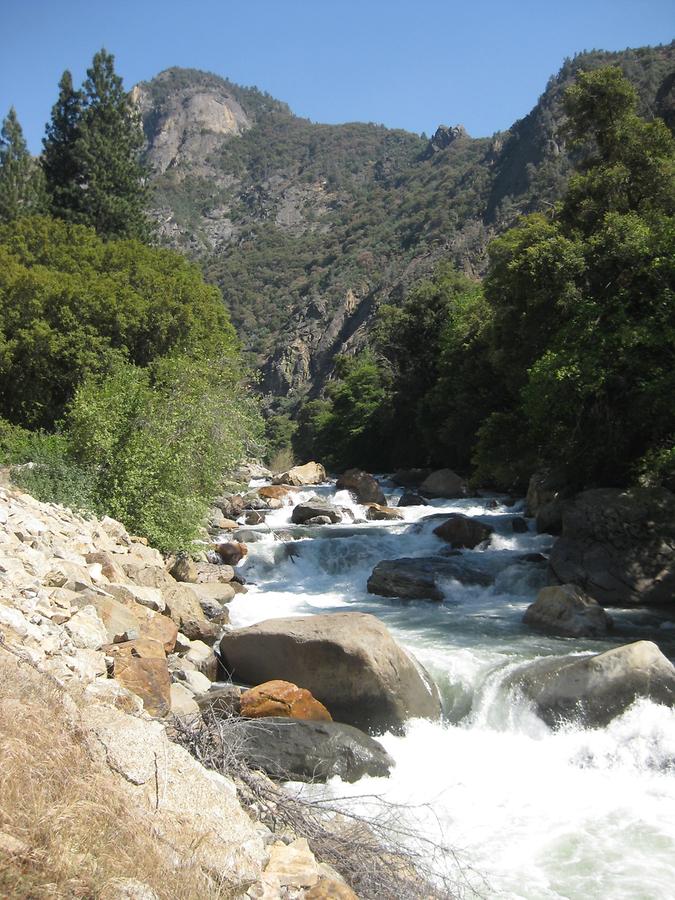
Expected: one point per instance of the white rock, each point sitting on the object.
(86, 629)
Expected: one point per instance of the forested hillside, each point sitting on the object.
(308, 228)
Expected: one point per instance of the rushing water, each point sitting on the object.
(538, 814)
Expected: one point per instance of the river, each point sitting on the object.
(530, 813)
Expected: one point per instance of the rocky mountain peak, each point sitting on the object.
(444, 136)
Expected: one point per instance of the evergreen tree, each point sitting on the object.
(94, 171)
(59, 160)
(21, 183)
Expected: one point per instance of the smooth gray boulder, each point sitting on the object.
(566, 610)
(362, 485)
(349, 661)
(302, 750)
(592, 690)
(619, 546)
(444, 483)
(463, 531)
(419, 578)
(312, 509)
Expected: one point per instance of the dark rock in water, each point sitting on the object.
(619, 546)
(301, 750)
(519, 525)
(418, 578)
(444, 483)
(592, 690)
(410, 477)
(546, 496)
(254, 503)
(566, 610)
(362, 485)
(312, 508)
(463, 531)
(349, 661)
(532, 558)
(408, 498)
(253, 517)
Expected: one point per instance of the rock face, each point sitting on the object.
(619, 546)
(362, 485)
(463, 531)
(566, 610)
(348, 661)
(296, 750)
(282, 699)
(302, 476)
(592, 690)
(444, 483)
(420, 578)
(314, 508)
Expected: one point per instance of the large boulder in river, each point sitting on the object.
(545, 500)
(592, 690)
(444, 483)
(301, 476)
(619, 546)
(421, 578)
(566, 610)
(362, 485)
(349, 661)
(313, 508)
(410, 498)
(377, 513)
(298, 750)
(463, 531)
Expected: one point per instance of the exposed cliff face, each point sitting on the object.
(308, 228)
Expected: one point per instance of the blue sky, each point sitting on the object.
(409, 65)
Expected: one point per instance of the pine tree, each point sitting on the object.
(59, 160)
(21, 182)
(93, 147)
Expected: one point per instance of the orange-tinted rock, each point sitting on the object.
(330, 889)
(282, 698)
(141, 667)
(231, 552)
(376, 512)
(275, 491)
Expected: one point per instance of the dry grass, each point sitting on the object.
(67, 828)
(282, 461)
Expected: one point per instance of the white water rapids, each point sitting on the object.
(536, 814)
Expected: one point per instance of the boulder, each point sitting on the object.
(182, 606)
(201, 655)
(298, 750)
(109, 565)
(148, 576)
(362, 485)
(141, 667)
(377, 513)
(276, 491)
(150, 597)
(86, 629)
(349, 661)
(183, 704)
(444, 483)
(420, 578)
(619, 546)
(282, 699)
(253, 517)
(208, 572)
(220, 591)
(566, 610)
(184, 569)
(409, 498)
(410, 477)
(120, 622)
(313, 508)
(318, 520)
(301, 476)
(222, 701)
(592, 690)
(231, 552)
(463, 531)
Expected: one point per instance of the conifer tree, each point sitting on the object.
(21, 182)
(59, 159)
(94, 172)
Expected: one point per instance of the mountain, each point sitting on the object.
(307, 228)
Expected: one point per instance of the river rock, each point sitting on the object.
(318, 520)
(566, 610)
(220, 591)
(463, 531)
(419, 578)
(519, 525)
(312, 508)
(284, 700)
(348, 661)
(182, 606)
(409, 498)
(253, 517)
(362, 485)
(619, 546)
(301, 476)
(231, 552)
(276, 491)
(184, 569)
(592, 690)
(444, 483)
(377, 513)
(297, 750)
